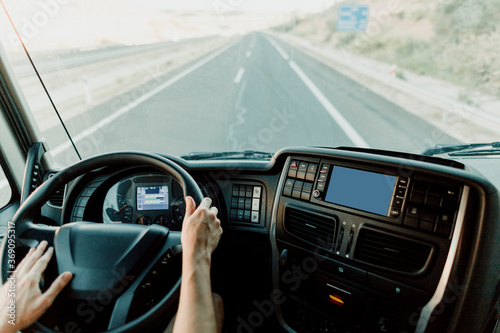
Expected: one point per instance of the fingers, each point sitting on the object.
(23, 262)
(32, 258)
(205, 203)
(214, 210)
(42, 263)
(190, 207)
(55, 288)
(204, 207)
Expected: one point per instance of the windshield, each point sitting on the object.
(235, 75)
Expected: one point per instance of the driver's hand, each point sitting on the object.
(201, 229)
(30, 303)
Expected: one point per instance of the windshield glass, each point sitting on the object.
(233, 75)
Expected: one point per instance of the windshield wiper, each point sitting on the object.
(246, 154)
(477, 152)
(469, 147)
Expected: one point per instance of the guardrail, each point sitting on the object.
(54, 60)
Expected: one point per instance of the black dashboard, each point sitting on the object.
(360, 241)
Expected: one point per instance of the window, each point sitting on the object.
(5, 190)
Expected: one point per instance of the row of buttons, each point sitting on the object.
(323, 174)
(247, 191)
(429, 219)
(245, 203)
(397, 202)
(434, 195)
(158, 267)
(303, 170)
(298, 189)
(79, 208)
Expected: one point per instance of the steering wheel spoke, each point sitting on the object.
(32, 234)
(148, 289)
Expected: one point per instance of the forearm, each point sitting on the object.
(8, 328)
(196, 311)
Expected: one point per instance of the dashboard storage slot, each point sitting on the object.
(313, 228)
(391, 252)
(338, 299)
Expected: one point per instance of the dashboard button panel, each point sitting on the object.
(300, 181)
(246, 205)
(432, 207)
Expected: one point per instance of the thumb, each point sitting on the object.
(190, 207)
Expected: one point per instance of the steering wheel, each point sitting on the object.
(107, 259)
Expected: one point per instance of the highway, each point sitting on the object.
(253, 93)
(46, 62)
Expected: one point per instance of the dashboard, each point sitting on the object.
(360, 241)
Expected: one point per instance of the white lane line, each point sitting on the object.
(105, 121)
(351, 133)
(278, 48)
(249, 54)
(239, 75)
(332, 110)
(240, 118)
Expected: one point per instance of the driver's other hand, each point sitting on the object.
(201, 229)
(30, 303)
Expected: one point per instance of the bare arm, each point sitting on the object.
(201, 232)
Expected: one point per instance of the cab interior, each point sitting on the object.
(336, 238)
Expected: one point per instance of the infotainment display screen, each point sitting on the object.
(363, 190)
(152, 197)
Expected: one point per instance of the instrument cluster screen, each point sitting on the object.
(152, 197)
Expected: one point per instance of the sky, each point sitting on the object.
(74, 24)
(275, 6)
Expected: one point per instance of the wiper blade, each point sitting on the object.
(477, 152)
(443, 149)
(246, 154)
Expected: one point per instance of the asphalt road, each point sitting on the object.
(254, 93)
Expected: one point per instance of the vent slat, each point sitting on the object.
(312, 228)
(391, 252)
(307, 224)
(388, 257)
(404, 250)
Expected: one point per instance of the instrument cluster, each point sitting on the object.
(145, 199)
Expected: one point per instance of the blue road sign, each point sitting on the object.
(353, 18)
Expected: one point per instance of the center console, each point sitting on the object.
(363, 246)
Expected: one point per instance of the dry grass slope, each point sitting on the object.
(453, 40)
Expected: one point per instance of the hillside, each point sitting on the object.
(453, 40)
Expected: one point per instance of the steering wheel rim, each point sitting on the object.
(29, 233)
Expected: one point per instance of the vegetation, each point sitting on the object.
(462, 47)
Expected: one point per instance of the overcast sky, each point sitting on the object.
(274, 6)
(54, 24)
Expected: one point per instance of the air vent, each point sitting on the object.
(388, 251)
(57, 198)
(313, 228)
